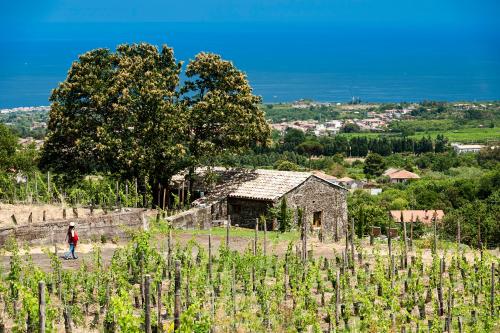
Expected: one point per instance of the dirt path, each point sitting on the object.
(327, 250)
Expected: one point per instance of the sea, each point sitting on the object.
(284, 62)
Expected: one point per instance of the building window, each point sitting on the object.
(317, 219)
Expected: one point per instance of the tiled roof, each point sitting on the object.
(323, 175)
(270, 184)
(390, 171)
(403, 174)
(345, 179)
(424, 216)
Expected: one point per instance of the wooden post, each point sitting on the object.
(228, 226)
(169, 253)
(30, 218)
(337, 297)
(177, 296)
(136, 193)
(59, 284)
(405, 259)
(233, 291)
(75, 212)
(256, 240)
(14, 220)
(147, 305)
(285, 279)
(459, 236)
(64, 213)
(492, 295)
(126, 193)
(164, 199)
(159, 196)
(352, 245)
(212, 309)
(67, 320)
(411, 233)
(389, 241)
(158, 303)
(346, 229)
(210, 257)
(41, 306)
(440, 289)
(304, 239)
(434, 244)
(117, 194)
(44, 216)
(265, 238)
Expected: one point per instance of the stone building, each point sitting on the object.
(324, 204)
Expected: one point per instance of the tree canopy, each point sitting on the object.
(126, 113)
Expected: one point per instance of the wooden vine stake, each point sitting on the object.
(177, 296)
(147, 305)
(352, 244)
(210, 256)
(228, 226)
(411, 234)
(256, 239)
(405, 242)
(169, 253)
(492, 295)
(67, 320)
(265, 238)
(304, 239)
(41, 307)
(337, 297)
(434, 243)
(158, 290)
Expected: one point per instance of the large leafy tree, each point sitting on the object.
(118, 113)
(223, 112)
(374, 165)
(123, 113)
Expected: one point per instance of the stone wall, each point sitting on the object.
(317, 195)
(111, 225)
(195, 218)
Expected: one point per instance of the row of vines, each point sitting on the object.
(96, 191)
(224, 290)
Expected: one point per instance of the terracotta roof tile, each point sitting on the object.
(403, 174)
(270, 184)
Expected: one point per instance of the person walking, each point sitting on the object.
(72, 239)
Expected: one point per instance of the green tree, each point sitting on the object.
(222, 111)
(122, 113)
(116, 112)
(440, 145)
(374, 165)
(350, 128)
(285, 165)
(293, 137)
(8, 146)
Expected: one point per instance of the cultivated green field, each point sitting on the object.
(466, 135)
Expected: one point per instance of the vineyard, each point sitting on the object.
(156, 284)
